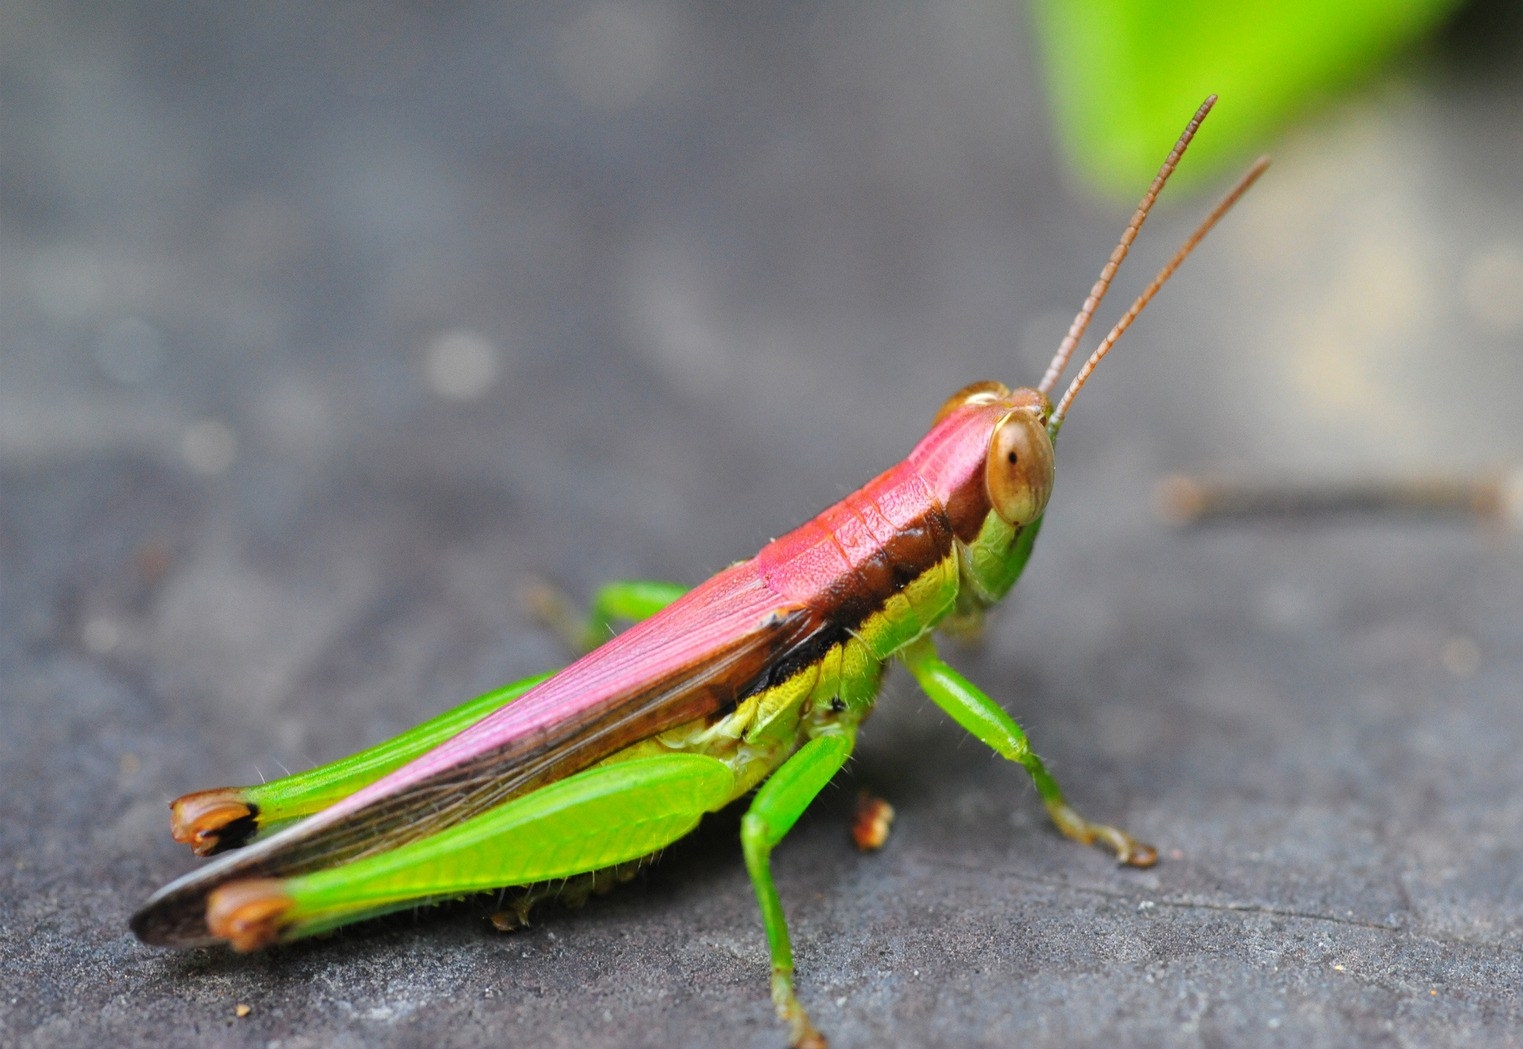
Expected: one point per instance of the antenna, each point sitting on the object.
(1222, 207)
(1087, 311)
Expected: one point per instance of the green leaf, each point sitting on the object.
(1124, 75)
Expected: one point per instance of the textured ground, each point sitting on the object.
(324, 332)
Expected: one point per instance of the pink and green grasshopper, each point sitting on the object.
(756, 680)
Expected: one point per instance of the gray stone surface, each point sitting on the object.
(326, 328)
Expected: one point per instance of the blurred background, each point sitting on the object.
(325, 328)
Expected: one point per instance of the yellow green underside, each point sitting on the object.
(643, 798)
(769, 726)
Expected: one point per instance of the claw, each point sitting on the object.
(1140, 854)
(871, 822)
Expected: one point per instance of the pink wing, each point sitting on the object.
(720, 642)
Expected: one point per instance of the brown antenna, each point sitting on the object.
(1222, 207)
(1087, 311)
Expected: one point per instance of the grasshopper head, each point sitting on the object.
(1018, 461)
(989, 460)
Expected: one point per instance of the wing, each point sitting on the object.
(700, 657)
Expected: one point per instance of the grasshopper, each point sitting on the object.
(756, 680)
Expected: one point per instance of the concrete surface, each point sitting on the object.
(326, 328)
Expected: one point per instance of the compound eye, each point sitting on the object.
(986, 392)
(1018, 471)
